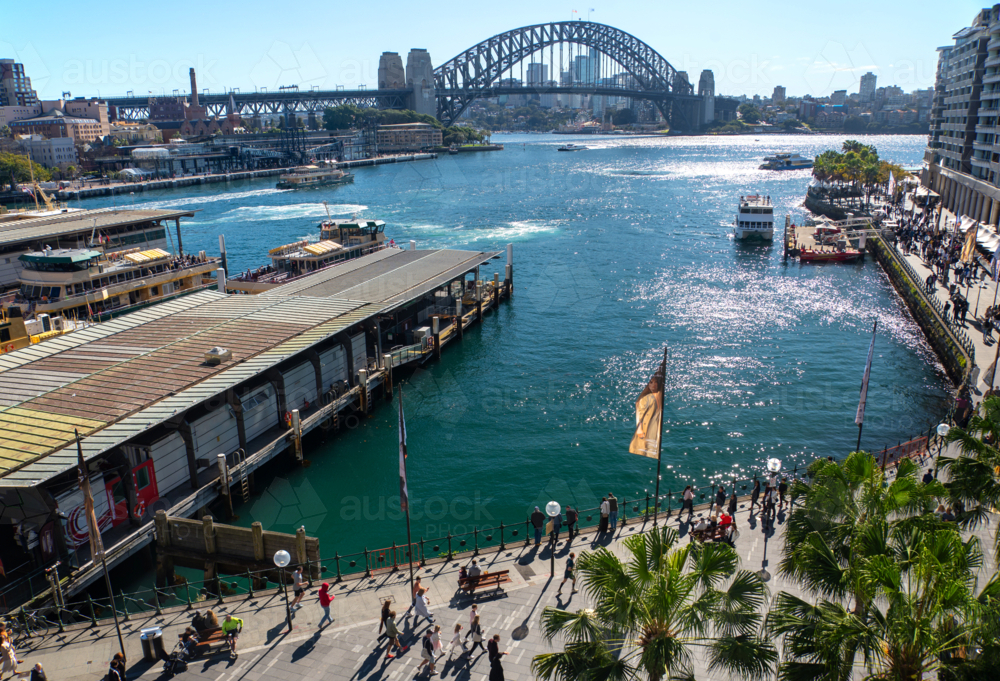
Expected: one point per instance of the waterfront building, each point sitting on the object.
(9, 114)
(58, 152)
(962, 152)
(867, 87)
(55, 123)
(408, 137)
(15, 86)
(778, 95)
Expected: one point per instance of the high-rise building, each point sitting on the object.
(778, 95)
(961, 145)
(15, 87)
(537, 73)
(838, 97)
(867, 89)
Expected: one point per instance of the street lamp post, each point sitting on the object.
(553, 509)
(282, 559)
(942, 430)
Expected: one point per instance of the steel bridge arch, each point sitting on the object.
(470, 75)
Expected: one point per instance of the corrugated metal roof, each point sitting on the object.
(79, 222)
(118, 379)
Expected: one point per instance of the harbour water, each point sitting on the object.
(619, 249)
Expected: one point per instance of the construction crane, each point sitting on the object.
(45, 197)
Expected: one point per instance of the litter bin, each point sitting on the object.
(152, 644)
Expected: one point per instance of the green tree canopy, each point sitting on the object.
(16, 169)
(749, 113)
(654, 610)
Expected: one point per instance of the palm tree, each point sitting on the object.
(892, 587)
(974, 476)
(652, 612)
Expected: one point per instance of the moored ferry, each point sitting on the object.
(786, 161)
(313, 176)
(84, 283)
(754, 218)
(339, 241)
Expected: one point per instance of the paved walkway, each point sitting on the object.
(348, 649)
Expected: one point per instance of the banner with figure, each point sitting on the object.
(649, 415)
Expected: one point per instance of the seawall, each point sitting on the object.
(952, 346)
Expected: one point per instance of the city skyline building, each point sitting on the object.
(15, 86)
(779, 94)
(866, 91)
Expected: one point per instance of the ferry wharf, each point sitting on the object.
(181, 402)
(112, 188)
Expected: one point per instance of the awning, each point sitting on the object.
(926, 192)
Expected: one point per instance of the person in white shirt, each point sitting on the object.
(474, 569)
(298, 587)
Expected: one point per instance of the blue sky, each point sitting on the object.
(808, 47)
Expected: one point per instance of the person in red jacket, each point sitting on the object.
(325, 598)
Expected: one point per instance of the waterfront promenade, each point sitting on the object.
(347, 648)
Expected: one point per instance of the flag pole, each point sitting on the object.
(405, 499)
(96, 549)
(659, 449)
(860, 418)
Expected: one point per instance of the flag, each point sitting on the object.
(860, 418)
(969, 249)
(96, 546)
(649, 415)
(995, 264)
(404, 499)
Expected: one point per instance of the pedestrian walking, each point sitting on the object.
(754, 494)
(493, 648)
(392, 632)
(116, 670)
(720, 497)
(298, 587)
(427, 653)
(384, 616)
(947, 308)
(473, 614)
(420, 606)
(570, 573)
(456, 640)
(8, 660)
(782, 490)
(733, 503)
(436, 640)
(605, 512)
(496, 670)
(476, 631)
(571, 518)
(538, 522)
(37, 673)
(688, 502)
(612, 511)
(325, 599)
(413, 592)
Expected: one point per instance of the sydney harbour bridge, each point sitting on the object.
(563, 60)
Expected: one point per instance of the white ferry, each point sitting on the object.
(83, 283)
(313, 176)
(755, 218)
(786, 162)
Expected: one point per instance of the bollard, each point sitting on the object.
(249, 585)
(93, 614)
(449, 546)
(336, 557)
(475, 541)
(156, 601)
(394, 554)
(368, 569)
(187, 592)
(124, 604)
(527, 532)
(422, 561)
(502, 545)
(62, 629)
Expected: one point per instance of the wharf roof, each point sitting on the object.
(79, 222)
(115, 380)
(389, 277)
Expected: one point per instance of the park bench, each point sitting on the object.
(210, 640)
(729, 533)
(484, 581)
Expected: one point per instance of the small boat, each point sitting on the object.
(786, 162)
(453, 149)
(755, 218)
(313, 176)
(829, 254)
(572, 147)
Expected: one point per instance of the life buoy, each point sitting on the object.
(9, 348)
(288, 419)
(140, 509)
